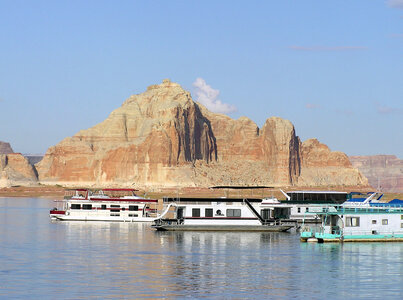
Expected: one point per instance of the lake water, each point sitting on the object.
(40, 259)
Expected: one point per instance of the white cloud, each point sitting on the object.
(395, 3)
(387, 110)
(208, 96)
(327, 48)
(312, 106)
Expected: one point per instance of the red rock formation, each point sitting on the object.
(5, 148)
(383, 171)
(16, 170)
(322, 167)
(162, 138)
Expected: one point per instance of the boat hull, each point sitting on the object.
(329, 238)
(259, 228)
(100, 219)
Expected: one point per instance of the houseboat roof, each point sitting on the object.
(169, 199)
(316, 192)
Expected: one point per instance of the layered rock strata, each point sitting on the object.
(163, 138)
(16, 170)
(5, 148)
(383, 171)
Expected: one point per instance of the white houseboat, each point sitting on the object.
(357, 221)
(112, 205)
(220, 214)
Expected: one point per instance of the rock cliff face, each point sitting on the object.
(5, 148)
(385, 171)
(16, 170)
(162, 138)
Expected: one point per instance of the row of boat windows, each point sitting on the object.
(130, 215)
(208, 212)
(355, 222)
(104, 207)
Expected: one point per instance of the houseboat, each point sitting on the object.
(221, 214)
(299, 203)
(367, 220)
(111, 205)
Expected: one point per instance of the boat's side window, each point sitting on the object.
(115, 205)
(384, 221)
(103, 206)
(133, 215)
(195, 212)
(218, 212)
(208, 213)
(373, 221)
(76, 206)
(87, 206)
(401, 225)
(233, 212)
(115, 215)
(352, 222)
(299, 209)
(133, 208)
(401, 217)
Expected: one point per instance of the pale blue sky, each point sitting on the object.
(333, 68)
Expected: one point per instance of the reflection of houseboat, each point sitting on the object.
(220, 214)
(119, 205)
(365, 220)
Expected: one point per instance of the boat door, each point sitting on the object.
(179, 212)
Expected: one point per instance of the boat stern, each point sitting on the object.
(55, 213)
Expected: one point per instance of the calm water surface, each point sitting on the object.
(80, 260)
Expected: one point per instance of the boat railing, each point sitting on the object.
(340, 209)
(160, 222)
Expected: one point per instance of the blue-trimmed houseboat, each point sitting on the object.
(357, 220)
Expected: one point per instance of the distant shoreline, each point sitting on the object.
(57, 192)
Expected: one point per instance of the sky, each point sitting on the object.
(333, 68)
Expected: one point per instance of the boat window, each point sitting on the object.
(299, 209)
(123, 208)
(265, 213)
(103, 206)
(373, 221)
(401, 217)
(208, 212)
(218, 212)
(401, 225)
(115, 210)
(115, 205)
(195, 212)
(133, 215)
(233, 212)
(384, 221)
(352, 222)
(87, 206)
(75, 206)
(115, 215)
(133, 208)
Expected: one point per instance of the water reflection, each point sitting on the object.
(73, 260)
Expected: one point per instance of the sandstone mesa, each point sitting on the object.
(162, 138)
(385, 171)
